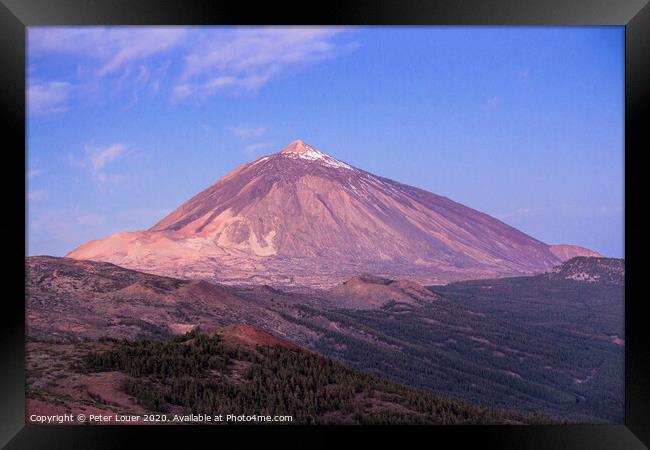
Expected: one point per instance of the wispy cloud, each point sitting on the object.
(244, 132)
(106, 63)
(246, 59)
(119, 60)
(248, 133)
(138, 46)
(99, 157)
(48, 97)
(96, 159)
(110, 47)
(254, 149)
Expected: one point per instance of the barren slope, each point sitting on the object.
(301, 217)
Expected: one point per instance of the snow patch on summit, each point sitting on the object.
(301, 150)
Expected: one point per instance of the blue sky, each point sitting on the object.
(525, 124)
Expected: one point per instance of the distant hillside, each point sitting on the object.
(69, 300)
(538, 343)
(590, 270)
(369, 291)
(201, 374)
(565, 252)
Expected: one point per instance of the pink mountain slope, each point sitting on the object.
(566, 252)
(302, 217)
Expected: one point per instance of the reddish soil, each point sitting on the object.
(251, 336)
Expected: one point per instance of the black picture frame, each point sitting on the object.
(16, 15)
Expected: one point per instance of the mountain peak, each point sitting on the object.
(302, 150)
(300, 217)
(298, 146)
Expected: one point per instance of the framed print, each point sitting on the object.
(399, 222)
